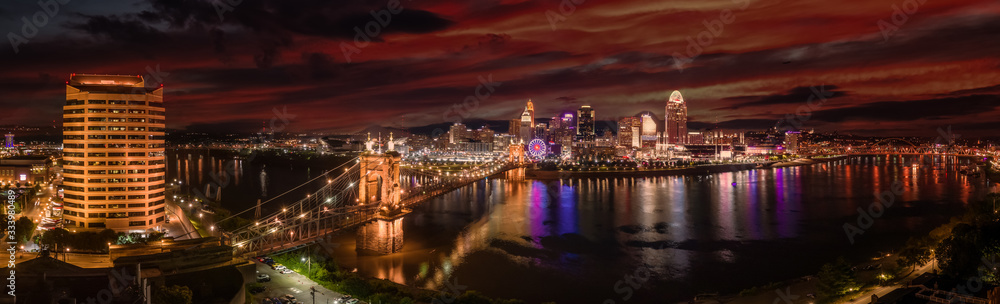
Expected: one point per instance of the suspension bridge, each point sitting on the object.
(373, 187)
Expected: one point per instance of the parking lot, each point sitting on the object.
(296, 285)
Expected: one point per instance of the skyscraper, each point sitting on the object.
(676, 119)
(648, 136)
(530, 108)
(9, 140)
(626, 127)
(527, 124)
(514, 129)
(113, 148)
(585, 124)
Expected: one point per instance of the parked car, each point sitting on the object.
(263, 278)
(352, 301)
(257, 289)
(286, 270)
(279, 267)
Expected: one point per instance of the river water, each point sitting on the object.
(662, 239)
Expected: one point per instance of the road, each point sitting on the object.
(294, 284)
(882, 291)
(179, 228)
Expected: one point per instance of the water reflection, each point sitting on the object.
(576, 237)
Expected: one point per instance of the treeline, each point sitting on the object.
(328, 274)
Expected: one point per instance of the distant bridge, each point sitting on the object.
(895, 146)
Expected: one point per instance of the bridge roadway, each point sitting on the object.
(300, 231)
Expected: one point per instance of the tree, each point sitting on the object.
(837, 278)
(172, 295)
(917, 252)
(23, 229)
(959, 255)
(107, 236)
(55, 238)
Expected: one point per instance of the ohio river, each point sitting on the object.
(635, 240)
(667, 238)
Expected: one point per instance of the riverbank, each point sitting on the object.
(696, 170)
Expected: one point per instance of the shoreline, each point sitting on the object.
(697, 170)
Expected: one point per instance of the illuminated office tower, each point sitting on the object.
(676, 119)
(113, 153)
(585, 124)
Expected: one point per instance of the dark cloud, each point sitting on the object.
(798, 95)
(117, 28)
(911, 110)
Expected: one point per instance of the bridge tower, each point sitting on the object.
(379, 179)
(379, 184)
(516, 152)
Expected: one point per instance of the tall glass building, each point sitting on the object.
(676, 120)
(113, 152)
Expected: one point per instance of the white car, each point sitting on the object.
(280, 268)
(352, 301)
(286, 270)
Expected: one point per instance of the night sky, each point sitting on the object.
(933, 65)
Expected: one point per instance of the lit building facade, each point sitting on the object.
(113, 151)
(530, 108)
(676, 119)
(585, 124)
(514, 128)
(628, 132)
(792, 141)
(527, 126)
(648, 137)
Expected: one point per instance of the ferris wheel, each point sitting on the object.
(537, 149)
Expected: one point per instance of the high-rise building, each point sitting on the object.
(457, 134)
(648, 136)
(514, 128)
(530, 108)
(676, 119)
(585, 124)
(792, 141)
(113, 153)
(625, 131)
(527, 125)
(9, 140)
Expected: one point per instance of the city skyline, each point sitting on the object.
(875, 81)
